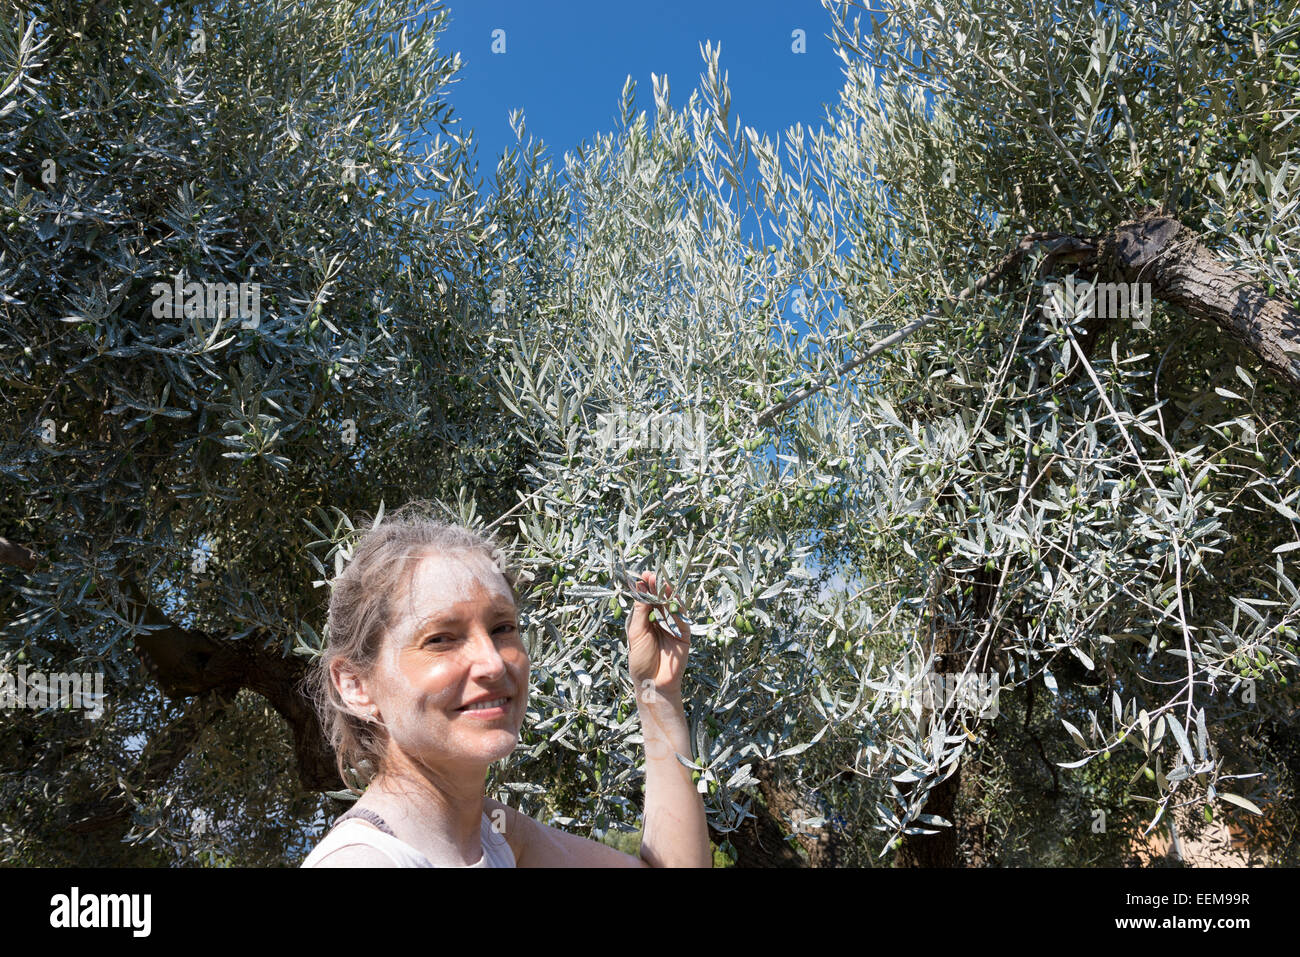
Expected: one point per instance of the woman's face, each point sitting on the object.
(452, 681)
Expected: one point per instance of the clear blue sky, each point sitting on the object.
(565, 64)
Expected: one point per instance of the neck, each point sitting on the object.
(437, 811)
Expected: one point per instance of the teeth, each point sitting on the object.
(483, 705)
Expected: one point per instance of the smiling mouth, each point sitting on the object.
(486, 705)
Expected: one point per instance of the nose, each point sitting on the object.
(486, 662)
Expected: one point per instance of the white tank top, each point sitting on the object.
(352, 831)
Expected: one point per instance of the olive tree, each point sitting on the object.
(1061, 244)
(1105, 496)
(236, 247)
(924, 494)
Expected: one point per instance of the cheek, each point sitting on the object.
(432, 685)
(522, 663)
(521, 668)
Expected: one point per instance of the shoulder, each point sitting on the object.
(352, 855)
(356, 843)
(517, 828)
(537, 845)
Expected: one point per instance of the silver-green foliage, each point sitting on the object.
(305, 147)
(1136, 506)
(1103, 490)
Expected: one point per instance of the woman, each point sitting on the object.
(424, 683)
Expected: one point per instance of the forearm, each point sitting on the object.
(675, 831)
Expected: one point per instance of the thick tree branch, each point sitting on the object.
(11, 553)
(187, 662)
(1183, 273)
(1153, 248)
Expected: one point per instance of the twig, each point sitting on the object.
(1010, 261)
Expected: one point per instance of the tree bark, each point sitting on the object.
(17, 555)
(763, 840)
(1162, 251)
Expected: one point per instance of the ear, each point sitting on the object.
(352, 689)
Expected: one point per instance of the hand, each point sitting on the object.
(656, 659)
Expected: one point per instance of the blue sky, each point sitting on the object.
(564, 64)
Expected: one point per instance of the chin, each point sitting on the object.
(509, 741)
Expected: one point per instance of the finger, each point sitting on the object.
(641, 588)
(676, 612)
(640, 620)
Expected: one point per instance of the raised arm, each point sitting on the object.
(675, 832)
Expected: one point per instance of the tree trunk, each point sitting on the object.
(950, 658)
(763, 841)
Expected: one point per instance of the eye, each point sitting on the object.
(434, 640)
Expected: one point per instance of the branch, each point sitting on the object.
(1183, 273)
(20, 556)
(1010, 262)
(185, 662)
(161, 756)
(1153, 248)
